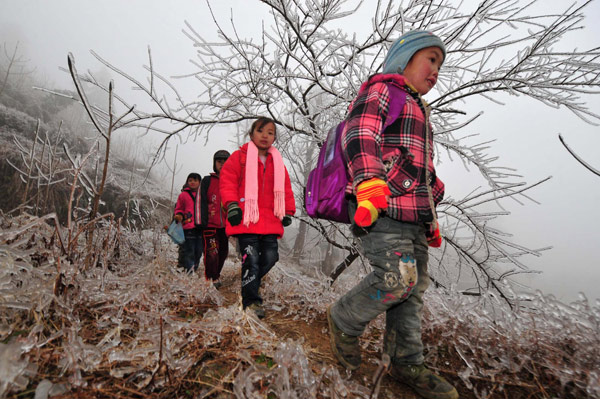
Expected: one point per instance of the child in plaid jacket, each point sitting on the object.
(395, 190)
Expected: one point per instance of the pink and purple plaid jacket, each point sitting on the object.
(396, 155)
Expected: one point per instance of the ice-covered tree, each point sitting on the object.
(307, 64)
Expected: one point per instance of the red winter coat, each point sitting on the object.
(213, 214)
(233, 182)
(186, 206)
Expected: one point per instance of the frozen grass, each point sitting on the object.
(137, 326)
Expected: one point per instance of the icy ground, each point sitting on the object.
(137, 324)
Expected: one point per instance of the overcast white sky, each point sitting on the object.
(527, 133)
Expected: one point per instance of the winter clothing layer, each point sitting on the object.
(406, 46)
(396, 155)
(233, 183)
(213, 214)
(252, 213)
(188, 206)
(371, 196)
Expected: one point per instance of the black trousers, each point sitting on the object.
(259, 254)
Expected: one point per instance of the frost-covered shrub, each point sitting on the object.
(490, 346)
(139, 321)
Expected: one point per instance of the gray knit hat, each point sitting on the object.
(406, 46)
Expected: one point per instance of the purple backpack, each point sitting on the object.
(325, 193)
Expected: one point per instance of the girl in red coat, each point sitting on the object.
(187, 211)
(256, 190)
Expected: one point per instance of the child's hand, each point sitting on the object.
(234, 213)
(434, 238)
(371, 196)
(286, 221)
(178, 218)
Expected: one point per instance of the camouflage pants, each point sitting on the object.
(398, 256)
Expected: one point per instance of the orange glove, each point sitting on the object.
(434, 238)
(371, 197)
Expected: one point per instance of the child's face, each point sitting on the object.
(422, 69)
(193, 183)
(219, 165)
(264, 137)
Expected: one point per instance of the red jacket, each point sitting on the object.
(232, 189)
(213, 214)
(186, 206)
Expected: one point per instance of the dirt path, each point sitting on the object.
(315, 342)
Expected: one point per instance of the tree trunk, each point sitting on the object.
(300, 240)
(352, 255)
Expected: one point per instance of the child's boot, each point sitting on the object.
(344, 347)
(258, 309)
(424, 381)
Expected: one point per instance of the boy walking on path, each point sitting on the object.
(216, 243)
(395, 189)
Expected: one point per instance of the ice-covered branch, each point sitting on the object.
(304, 68)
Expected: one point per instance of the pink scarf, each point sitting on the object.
(251, 214)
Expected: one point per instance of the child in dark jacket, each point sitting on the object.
(396, 190)
(256, 190)
(216, 243)
(187, 211)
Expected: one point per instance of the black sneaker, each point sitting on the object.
(424, 381)
(344, 347)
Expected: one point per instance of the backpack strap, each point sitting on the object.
(397, 102)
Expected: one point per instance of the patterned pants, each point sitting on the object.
(259, 254)
(398, 256)
(216, 249)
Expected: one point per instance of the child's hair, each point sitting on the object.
(402, 50)
(193, 176)
(260, 123)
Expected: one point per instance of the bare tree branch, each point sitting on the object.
(578, 158)
(303, 70)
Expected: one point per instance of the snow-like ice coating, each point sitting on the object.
(47, 303)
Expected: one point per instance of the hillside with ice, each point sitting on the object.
(93, 305)
(137, 326)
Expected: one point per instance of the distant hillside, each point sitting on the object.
(63, 126)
